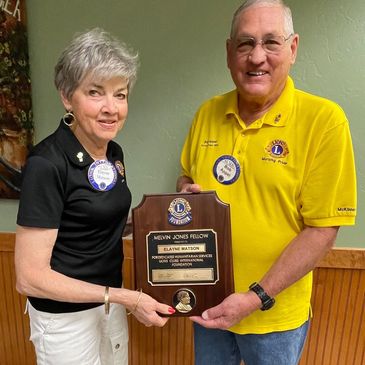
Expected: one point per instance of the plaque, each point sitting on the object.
(182, 250)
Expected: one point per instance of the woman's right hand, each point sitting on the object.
(146, 309)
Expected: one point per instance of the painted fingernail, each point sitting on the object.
(171, 310)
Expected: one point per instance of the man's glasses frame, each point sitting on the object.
(270, 44)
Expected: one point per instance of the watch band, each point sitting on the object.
(266, 300)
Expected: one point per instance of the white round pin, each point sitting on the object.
(226, 169)
(102, 175)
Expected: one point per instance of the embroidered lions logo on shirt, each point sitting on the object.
(277, 148)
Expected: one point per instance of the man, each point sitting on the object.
(283, 160)
(183, 306)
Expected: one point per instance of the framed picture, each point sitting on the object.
(16, 121)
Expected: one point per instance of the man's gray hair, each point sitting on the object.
(288, 19)
(94, 53)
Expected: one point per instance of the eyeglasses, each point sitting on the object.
(270, 44)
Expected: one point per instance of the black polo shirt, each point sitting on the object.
(56, 193)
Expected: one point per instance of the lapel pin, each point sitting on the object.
(80, 156)
(277, 118)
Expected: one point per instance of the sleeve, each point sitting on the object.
(188, 151)
(42, 194)
(184, 159)
(329, 193)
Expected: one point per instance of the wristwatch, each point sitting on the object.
(266, 300)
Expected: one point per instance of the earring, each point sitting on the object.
(68, 115)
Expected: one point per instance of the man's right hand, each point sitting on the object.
(186, 185)
(191, 188)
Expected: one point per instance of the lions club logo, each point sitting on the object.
(179, 212)
(120, 168)
(277, 149)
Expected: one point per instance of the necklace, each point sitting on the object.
(96, 157)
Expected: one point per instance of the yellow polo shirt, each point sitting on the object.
(296, 168)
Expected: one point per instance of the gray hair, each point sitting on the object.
(96, 53)
(288, 19)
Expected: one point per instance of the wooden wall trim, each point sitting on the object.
(338, 257)
(7, 241)
(344, 258)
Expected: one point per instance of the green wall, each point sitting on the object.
(182, 50)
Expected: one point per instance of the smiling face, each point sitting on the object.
(100, 109)
(260, 77)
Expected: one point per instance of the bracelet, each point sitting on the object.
(106, 300)
(137, 302)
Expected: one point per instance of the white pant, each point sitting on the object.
(88, 337)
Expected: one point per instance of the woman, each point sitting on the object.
(73, 208)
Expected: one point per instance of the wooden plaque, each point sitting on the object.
(182, 250)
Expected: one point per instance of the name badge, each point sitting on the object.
(102, 175)
(226, 169)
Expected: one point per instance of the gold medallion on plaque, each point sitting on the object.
(184, 300)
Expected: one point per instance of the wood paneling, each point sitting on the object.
(15, 348)
(336, 337)
(337, 333)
